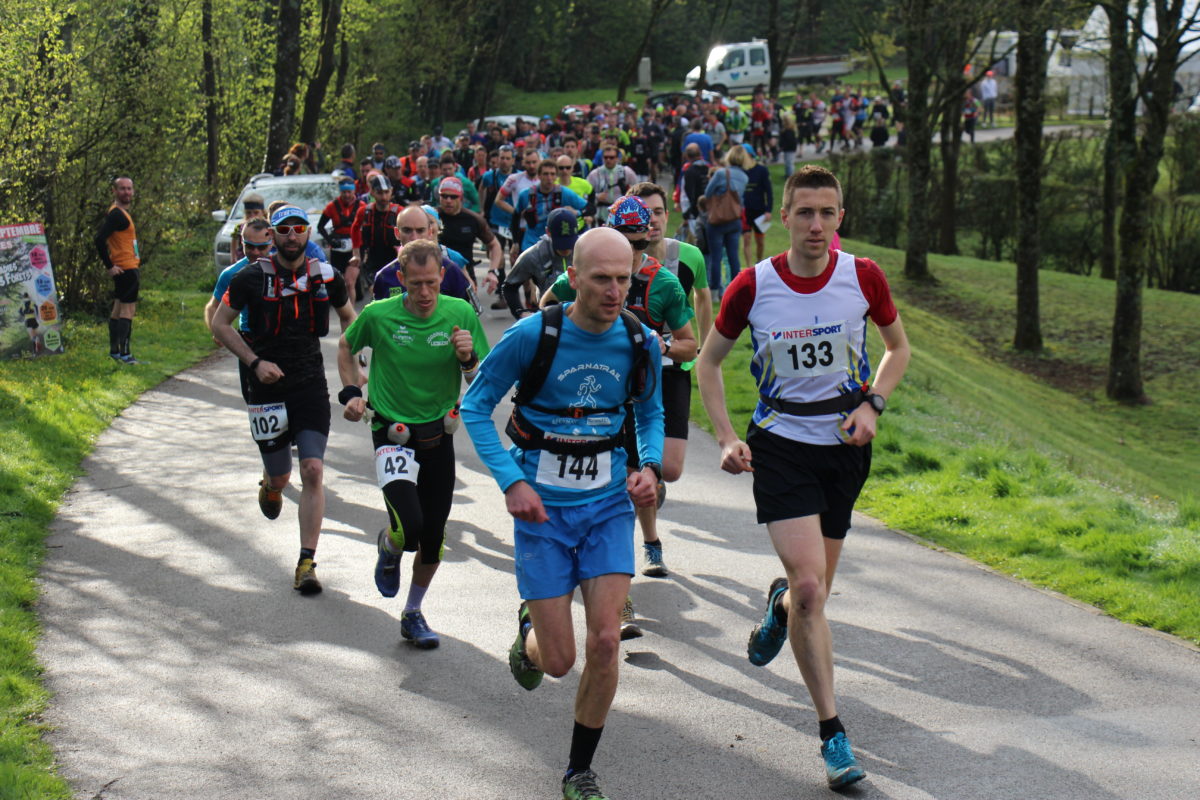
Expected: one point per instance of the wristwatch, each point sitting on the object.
(655, 466)
(877, 401)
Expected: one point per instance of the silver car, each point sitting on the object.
(310, 192)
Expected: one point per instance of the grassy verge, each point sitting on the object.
(1020, 462)
(51, 411)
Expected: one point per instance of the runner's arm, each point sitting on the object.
(704, 312)
(735, 454)
(891, 369)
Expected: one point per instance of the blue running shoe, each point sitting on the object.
(387, 568)
(770, 634)
(841, 769)
(414, 628)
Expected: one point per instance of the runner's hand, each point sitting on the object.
(525, 503)
(491, 282)
(268, 372)
(735, 457)
(642, 487)
(859, 427)
(355, 409)
(464, 345)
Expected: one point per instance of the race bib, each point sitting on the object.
(395, 463)
(574, 472)
(809, 352)
(503, 232)
(268, 421)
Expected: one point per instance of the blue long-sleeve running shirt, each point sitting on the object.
(589, 370)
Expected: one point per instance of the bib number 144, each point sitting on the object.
(574, 472)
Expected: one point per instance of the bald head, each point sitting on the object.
(412, 223)
(602, 245)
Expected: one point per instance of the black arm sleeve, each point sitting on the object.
(590, 209)
(114, 221)
(512, 296)
(321, 223)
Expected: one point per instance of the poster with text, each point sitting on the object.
(30, 317)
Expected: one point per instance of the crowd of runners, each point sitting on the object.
(563, 223)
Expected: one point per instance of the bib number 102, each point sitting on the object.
(810, 354)
(578, 467)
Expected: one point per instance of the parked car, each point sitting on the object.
(672, 99)
(310, 192)
(740, 66)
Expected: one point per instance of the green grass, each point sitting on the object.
(51, 411)
(1019, 461)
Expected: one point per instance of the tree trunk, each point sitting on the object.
(1121, 143)
(1031, 111)
(714, 32)
(657, 7)
(950, 146)
(780, 40)
(918, 124)
(1125, 361)
(287, 70)
(210, 97)
(314, 96)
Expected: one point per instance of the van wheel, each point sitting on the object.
(720, 89)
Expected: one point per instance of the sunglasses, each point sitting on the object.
(248, 245)
(286, 229)
(564, 169)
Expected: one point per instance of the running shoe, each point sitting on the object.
(116, 357)
(770, 634)
(270, 501)
(414, 628)
(129, 359)
(629, 628)
(653, 565)
(387, 569)
(582, 786)
(841, 769)
(528, 675)
(306, 577)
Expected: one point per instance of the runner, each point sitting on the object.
(461, 227)
(341, 213)
(657, 299)
(412, 224)
(257, 243)
(373, 237)
(288, 297)
(808, 445)
(117, 244)
(253, 207)
(611, 179)
(414, 463)
(579, 186)
(535, 203)
(510, 193)
(565, 482)
(543, 263)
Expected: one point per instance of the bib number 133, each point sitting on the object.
(574, 472)
(809, 352)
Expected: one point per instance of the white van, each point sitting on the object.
(740, 66)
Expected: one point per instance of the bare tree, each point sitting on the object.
(715, 29)
(1171, 30)
(314, 95)
(1032, 56)
(287, 72)
(781, 37)
(657, 7)
(211, 128)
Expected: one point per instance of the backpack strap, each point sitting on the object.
(536, 373)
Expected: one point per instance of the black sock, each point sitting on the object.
(126, 330)
(781, 609)
(114, 336)
(830, 727)
(583, 746)
(655, 545)
(306, 552)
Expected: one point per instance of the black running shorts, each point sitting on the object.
(795, 479)
(126, 285)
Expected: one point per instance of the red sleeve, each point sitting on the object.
(734, 315)
(874, 286)
(356, 228)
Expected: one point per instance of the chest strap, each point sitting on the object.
(834, 405)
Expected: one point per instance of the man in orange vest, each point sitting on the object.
(118, 247)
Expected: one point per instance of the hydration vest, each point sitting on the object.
(277, 293)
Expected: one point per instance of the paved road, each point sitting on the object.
(184, 666)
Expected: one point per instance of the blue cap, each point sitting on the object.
(563, 228)
(288, 212)
(629, 214)
(750, 149)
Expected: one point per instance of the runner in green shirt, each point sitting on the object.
(424, 344)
